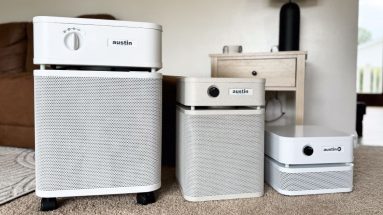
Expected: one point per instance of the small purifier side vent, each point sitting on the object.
(97, 132)
(220, 155)
(318, 180)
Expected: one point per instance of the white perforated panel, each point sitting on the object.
(220, 154)
(97, 132)
(315, 180)
(307, 181)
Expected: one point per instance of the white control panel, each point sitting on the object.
(221, 91)
(75, 41)
(306, 144)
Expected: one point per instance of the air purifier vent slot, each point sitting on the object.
(300, 181)
(220, 155)
(316, 180)
(97, 132)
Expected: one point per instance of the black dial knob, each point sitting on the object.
(254, 73)
(213, 91)
(308, 150)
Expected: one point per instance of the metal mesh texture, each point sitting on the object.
(97, 132)
(309, 180)
(220, 154)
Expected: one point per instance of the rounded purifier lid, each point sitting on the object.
(305, 131)
(221, 92)
(95, 42)
(221, 80)
(97, 22)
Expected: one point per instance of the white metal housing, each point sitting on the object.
(77, 41)
(97, 132)
(286, 143)
(233, 92)
(220, 147)
(308, 179)
(302, 160)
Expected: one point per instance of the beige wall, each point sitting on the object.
(195, 28)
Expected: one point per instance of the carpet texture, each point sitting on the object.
(367, 198)
(17, 173)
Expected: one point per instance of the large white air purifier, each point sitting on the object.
(220, 145)
(98, 109)
(305, 159)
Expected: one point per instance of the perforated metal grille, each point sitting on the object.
(316, 180)
(220, 154)
(97, 132)
(308, 180)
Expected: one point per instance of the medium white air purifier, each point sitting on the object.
(220, 130)
(98, 106)
(303, 160)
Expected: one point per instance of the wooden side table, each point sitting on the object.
(283, 71)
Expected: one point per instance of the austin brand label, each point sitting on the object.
(241, 92)
(333, 149)
(121, 43)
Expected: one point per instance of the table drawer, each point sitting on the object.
(277, 72)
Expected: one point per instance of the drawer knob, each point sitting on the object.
(254, 73)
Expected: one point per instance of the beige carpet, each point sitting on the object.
(17, 173)
(367, 198)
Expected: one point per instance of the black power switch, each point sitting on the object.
(213, 91)
(308, 150)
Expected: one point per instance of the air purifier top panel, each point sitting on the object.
(98, 74)
(221, 91)
(308, 145)
(93, 42)
(95, 22)
(221, 80)
(305, 131)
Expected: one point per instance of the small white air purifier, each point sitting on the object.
(302, 160)
(97, 129)
(220, 145)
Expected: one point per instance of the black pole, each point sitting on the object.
(289, 24)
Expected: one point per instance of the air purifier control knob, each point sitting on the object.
(72, 41)
(213, 91)
(308, 150)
